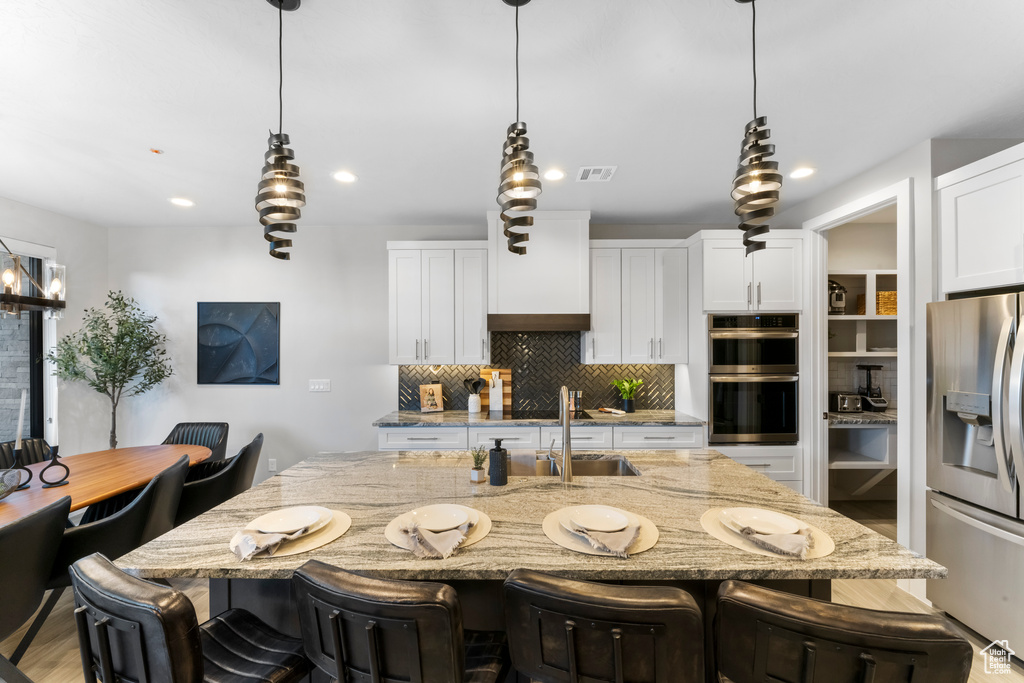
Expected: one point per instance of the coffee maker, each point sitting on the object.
(871, 396)
(836, 298)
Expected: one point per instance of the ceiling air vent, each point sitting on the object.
(595, 174)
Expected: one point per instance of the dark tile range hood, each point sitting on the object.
(538, 322)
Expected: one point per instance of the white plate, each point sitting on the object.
(712, 523)
(439, 517)
(287, 521)
(598, 518)
(481, 527)
(337, 524)
(761, 521)
(555, 529)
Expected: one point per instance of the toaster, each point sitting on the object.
(838, 402)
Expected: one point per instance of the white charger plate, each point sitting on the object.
(481, 527)
(556, 529)
(760, 520)
(334, 528)
(598, 518)
(288, 520)
(711, 522)
(440, 517)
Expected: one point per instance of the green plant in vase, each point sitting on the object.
(479, 458)
(627, 389)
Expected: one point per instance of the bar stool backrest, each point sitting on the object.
(767, 635)
(566, 631)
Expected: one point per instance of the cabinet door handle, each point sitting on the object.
(425, 354)
(417, 349)
(421, 438)
(660, 353)
(593, 347)
(758, 293)
(483, 349)
(652, 348)
(658, 438)
(748, 293)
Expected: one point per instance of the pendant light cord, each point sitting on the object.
(280, 66)
(517, 63)
(753, 47)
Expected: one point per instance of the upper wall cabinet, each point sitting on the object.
(981, 219)
(638, 306)
(767, 280)
(437, 307)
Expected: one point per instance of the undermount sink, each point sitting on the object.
(583, 465)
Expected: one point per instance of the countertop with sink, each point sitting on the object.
(462, 418)
(673, 488)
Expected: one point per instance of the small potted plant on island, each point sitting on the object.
(476, 474)
(627, 388)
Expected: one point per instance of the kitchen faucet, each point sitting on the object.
(564, 416)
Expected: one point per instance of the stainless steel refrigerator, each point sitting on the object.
(975, 456)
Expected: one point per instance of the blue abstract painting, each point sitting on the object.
(239, 343)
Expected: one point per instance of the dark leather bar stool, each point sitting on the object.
(766, 635)
(566, 631)
(30, 545)
(233, 477)
(356, 628)
(129, 627)
(151, 514)
(213, 435)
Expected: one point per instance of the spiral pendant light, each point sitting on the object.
(280, 194)
(520, 180)
(755, 189)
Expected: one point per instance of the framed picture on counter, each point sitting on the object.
(430, 398)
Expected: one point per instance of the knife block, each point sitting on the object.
(506, 391)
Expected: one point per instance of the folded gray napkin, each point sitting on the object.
(615, 542)
(437, 544)
(249, 542)
(793, 545)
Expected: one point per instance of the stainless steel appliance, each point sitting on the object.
(871, 396)
(836, 298)
(975, 453)
(838, 402)
(754, 384)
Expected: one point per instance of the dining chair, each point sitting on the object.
(564, 631)
(29, 545)
(128, 627)
(149, 515)
(235, 476)
(213, 435)
(762, 634)
(32, 451)
(357, 628)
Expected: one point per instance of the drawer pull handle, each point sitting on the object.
(421, 438)
(503, 438)
(659, 438)
(760, 464)
(582, 438)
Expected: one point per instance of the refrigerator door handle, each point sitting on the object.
(998, 403)
(978, 524)
(1016, 386)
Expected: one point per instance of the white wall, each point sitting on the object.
(858, 246)
(83, 414)
(334, 300)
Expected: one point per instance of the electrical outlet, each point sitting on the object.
(272, 464)
(319, 385)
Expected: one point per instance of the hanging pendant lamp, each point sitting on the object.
(520, 180)
(755, 189)
(281, 193)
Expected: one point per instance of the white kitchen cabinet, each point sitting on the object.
(981, 220)
(421, 438)
(603, 342)
(638, 306)
(767, 280)
(421, 311)
(671, 326)
(657, 438)
(511, 437)
(583, 438)
(472, 341)
(654, 306)
(781, 463)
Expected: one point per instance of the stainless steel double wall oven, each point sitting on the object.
(754, 378)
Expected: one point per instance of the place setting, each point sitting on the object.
(600, 530)
(767, 532)
(437, 531)
(289, 531)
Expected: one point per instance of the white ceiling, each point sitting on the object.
(415, 95)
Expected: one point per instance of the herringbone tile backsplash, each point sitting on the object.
(541, 363)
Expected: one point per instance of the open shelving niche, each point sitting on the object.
(853, 335)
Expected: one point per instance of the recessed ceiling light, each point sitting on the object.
(181, 201)
(554, 174)
(345, 177)
(802, 172)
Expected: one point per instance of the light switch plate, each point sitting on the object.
(272, 465)
(319, 385)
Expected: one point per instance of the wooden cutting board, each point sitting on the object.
(506, 387)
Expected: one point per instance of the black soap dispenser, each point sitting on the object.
(498, 472)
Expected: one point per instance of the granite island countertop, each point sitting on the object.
(462, 418)
(887, 417)
(675, 488)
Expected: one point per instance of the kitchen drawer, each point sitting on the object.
(511, 437)
(655, 438)
(583, 438)
(783, 463)
(421, 438)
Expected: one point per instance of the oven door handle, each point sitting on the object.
(754, 335)
(754, 378)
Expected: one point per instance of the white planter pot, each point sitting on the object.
(474, 403)
(477, 475)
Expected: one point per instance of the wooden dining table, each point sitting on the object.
(97, 476)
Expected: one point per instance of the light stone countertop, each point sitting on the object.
(887, 417)
(461, 418)
(675, 488)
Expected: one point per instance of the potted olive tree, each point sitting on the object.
(118, 352)
(627, 388)
(476, 475)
